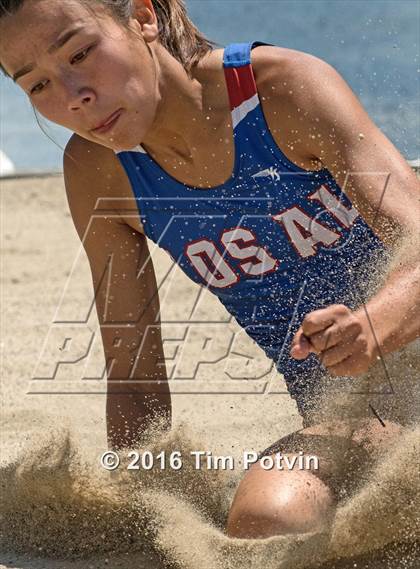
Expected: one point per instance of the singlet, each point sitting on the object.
(273, 243)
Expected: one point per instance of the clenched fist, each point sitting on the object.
(342, 339)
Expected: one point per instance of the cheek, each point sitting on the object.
(50, 109)
(135, 87)
(131, 71)
(140, 89)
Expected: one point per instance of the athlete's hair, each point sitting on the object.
(177, 33)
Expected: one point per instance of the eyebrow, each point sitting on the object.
(62, 39)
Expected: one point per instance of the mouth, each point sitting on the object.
(108, 123)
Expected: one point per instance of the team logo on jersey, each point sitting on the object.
(237, 251)
(268, 172)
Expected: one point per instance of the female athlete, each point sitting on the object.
(258, 170)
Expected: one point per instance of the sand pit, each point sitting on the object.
(60, 509)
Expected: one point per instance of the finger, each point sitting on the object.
(334, 335)
(326, 339)
(301, 347)
(319, 320)
(353, 352)
(336, 355)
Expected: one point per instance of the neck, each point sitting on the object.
(190, 110)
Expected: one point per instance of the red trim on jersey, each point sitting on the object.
(241, 85)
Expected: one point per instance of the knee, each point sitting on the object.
(269, 503)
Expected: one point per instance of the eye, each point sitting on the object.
(37, 88)
(81, 55)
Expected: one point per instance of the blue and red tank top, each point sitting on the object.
(273, 243)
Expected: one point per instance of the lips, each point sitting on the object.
(108, 123)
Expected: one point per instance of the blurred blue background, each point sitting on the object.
(374, 44)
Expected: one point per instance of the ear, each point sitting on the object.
(144, 19)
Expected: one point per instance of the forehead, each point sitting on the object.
(36, 25)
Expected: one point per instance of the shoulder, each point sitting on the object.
(92, 174)
(284, 68)
(288, 83)
(90, 160)
(308, 89)
(308, 99)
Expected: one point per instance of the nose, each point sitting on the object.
(80, 98)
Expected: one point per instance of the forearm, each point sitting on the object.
(130, 412)
(394, 312)
(137, 386)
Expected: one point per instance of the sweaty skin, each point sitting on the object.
(185, 125)
(159, 104)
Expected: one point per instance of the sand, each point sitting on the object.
(60, 509)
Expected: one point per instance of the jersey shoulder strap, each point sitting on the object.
(240, 79)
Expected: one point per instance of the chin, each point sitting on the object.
(115, 145)
(118, 142)
(124, 145)
(120, 148)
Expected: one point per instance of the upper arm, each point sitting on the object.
(123, 277)
(333, 127)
